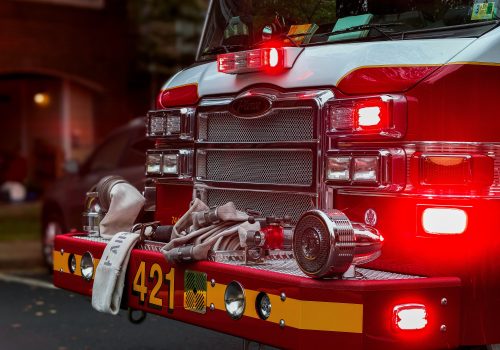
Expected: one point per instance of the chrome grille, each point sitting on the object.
(279, 125)
(278, 204)
(283, 167)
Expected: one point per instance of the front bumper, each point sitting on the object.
(305, 313)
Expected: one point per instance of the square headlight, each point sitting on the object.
(170, 164)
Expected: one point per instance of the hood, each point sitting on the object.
(373, 67)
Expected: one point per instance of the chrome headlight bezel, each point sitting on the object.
(87, 266)
(174, 123)
(175, 163)
(235, 300)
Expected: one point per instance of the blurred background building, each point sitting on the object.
(73, 70)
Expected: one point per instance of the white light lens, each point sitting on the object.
(410, 316)
(87, 266)
(170, 164)
(365, 169)
(173, 124)
(369, 116)
(273, 57)
(338, 168)
(341, 118)
(234, 300)
(153, 163)
(263, 305)
(157, 124)
(449, 221)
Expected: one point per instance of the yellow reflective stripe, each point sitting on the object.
(300, 314)
(61, 263)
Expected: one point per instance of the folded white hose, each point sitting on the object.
(109, 279)
(125, 203)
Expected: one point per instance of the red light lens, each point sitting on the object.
(378, 115)
(408, 317)
(186, 95)
(270, 59)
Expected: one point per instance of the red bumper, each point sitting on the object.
(305, 313)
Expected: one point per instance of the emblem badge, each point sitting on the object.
(250, 107)
(371, 217)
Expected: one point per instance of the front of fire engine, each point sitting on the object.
(382, 112)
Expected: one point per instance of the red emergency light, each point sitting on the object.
(179, 96)
(269, 59)
(383, 115)
(410, 317)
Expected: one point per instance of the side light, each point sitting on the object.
(408, 317)
(87, 266)
(383, 115)
(450, 221)
(234, 300)
(263, 305)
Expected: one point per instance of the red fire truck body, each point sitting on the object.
(423, 171)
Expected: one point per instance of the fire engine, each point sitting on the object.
(361, 138)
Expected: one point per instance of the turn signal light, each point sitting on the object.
(408, 317)
(470, 170)
(383, 115)
(270, 59)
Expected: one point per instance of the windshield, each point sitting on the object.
(235, 25)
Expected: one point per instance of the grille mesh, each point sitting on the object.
(285, 167)
(278, 125)
(268, 203)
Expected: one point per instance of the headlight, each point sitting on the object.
(170, 164)
(177, 123)
(234, 300)
(263, 305)
(72, 263)
(87, 266)
(153, 163)
(178, 163)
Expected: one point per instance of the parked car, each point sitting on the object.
(121, 153)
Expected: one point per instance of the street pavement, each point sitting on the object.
(34, 315)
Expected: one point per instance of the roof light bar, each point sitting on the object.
(270, 59)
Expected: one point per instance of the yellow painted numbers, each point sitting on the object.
(155, 282)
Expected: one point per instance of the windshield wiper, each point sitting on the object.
(375, 26)
(223, 49)
(494, 23)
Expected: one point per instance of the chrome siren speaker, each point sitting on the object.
(324, 243)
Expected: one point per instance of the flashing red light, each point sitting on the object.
(269, 59)
(444, 221)
(475, 171)
(185, 95)
(376, 115)
(371, 114)
(408, 317)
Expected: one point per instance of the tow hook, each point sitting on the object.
(136, 316)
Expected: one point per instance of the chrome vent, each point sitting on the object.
(258, 166)
(278, 125)
(276, 204)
